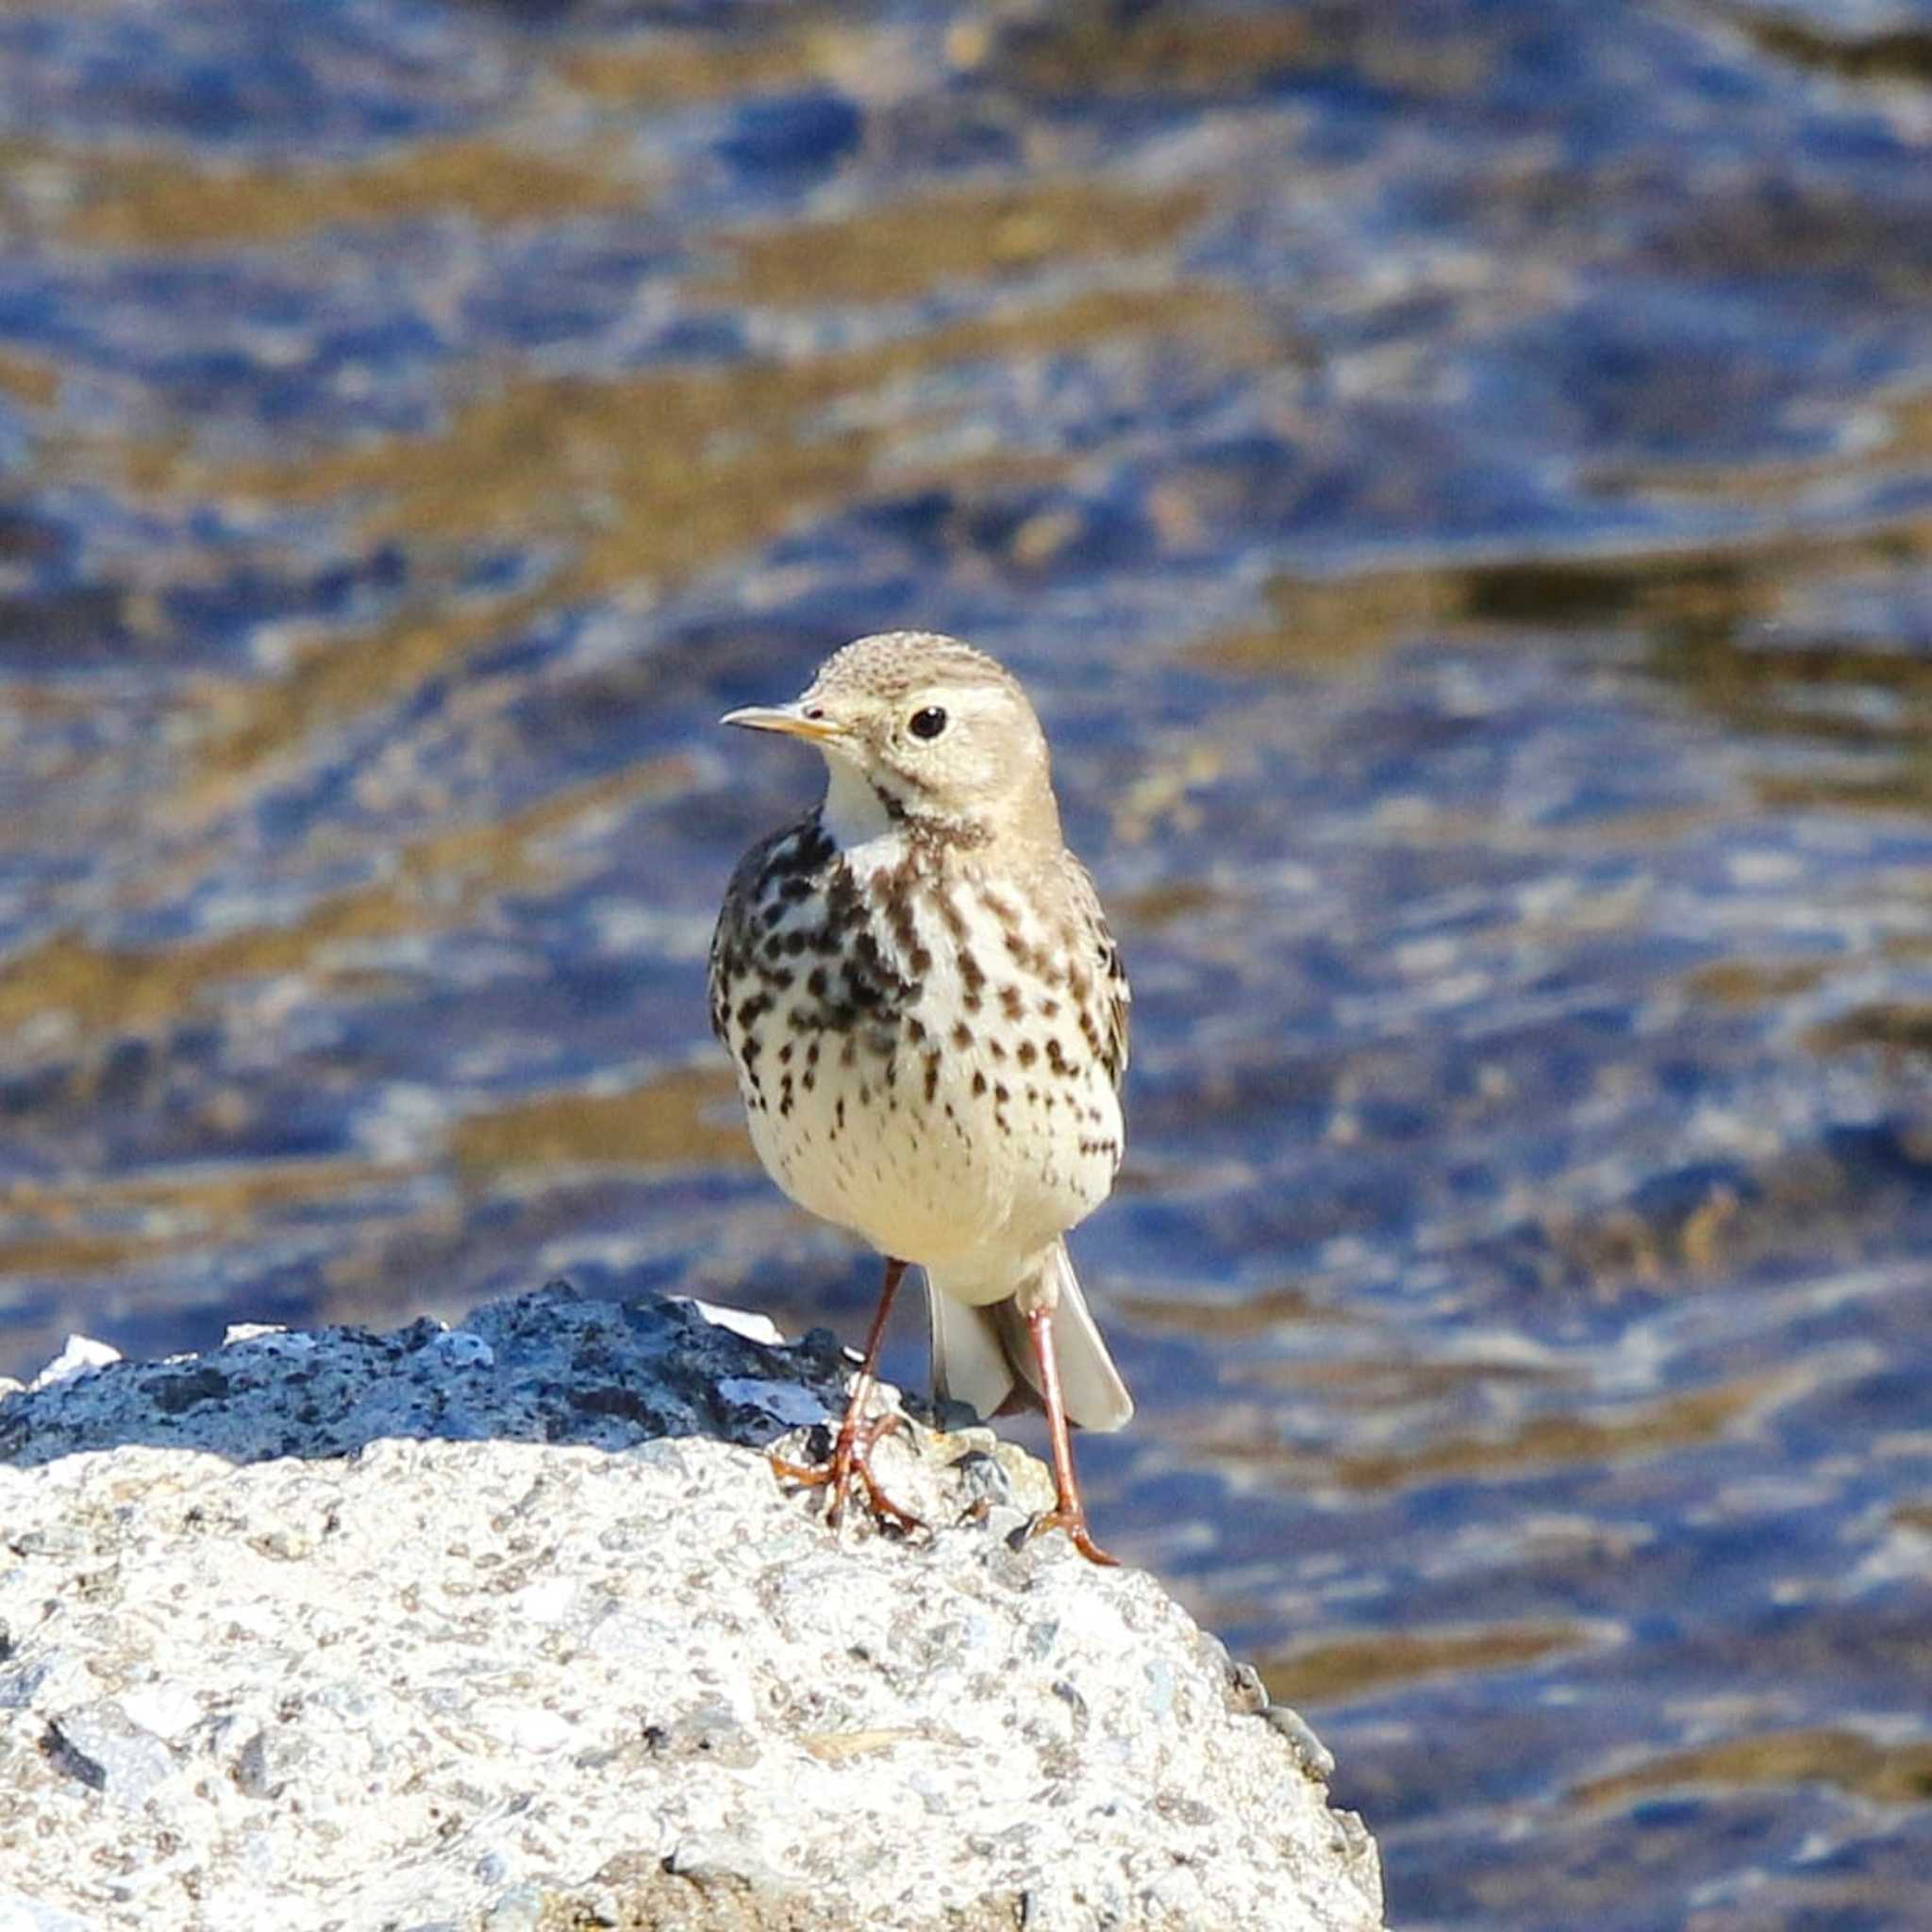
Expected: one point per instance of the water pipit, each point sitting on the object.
(928, 1019)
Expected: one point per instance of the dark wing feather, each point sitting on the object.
(736, 931)
(1100, 957)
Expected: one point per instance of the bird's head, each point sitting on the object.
(921, 729)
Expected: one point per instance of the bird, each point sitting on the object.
(928, 1016)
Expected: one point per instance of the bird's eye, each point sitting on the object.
(926, 723)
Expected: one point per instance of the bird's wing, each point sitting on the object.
(1110, 994)
(736, 932)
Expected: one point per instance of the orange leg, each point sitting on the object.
(1068, 1513)
(851, 1452)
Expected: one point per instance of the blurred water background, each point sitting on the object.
(1457, 476)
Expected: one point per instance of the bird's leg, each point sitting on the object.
(852, 1450)
(1068, 1513)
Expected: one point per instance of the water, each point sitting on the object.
(1458, 478)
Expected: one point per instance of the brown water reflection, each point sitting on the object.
(1539, 1444)
(1174, 49)
(161, 201)
(29, 379)
(674, 69)
(1257, 1314)
(911, 249)
(1348, 1668)
(61, 1230)
(689, 1116)
(1893, 1775)
(1900, 54)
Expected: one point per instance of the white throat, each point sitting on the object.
(852, 813)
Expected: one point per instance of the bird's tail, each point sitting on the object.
(983, 1354)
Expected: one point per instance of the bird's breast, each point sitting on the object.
(914, 1054)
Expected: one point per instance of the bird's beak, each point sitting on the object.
(790, 718)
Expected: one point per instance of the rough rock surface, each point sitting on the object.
(509, 1626)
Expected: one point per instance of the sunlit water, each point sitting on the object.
(1459, 481)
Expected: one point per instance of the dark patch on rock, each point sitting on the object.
(174, 1395)
(70, 1760)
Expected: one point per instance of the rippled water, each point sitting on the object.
(1458, 478)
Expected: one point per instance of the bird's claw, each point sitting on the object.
(852, 1456)
(1074, 1523)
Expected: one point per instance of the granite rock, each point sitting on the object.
(509, 1626)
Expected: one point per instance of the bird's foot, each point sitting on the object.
(851, 1457)
(1073, 1521)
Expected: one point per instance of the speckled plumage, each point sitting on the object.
(926, 1010)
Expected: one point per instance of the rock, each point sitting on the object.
(509, 1626)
